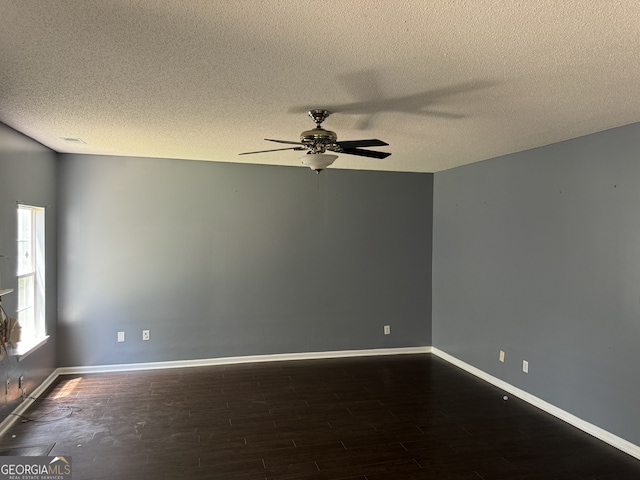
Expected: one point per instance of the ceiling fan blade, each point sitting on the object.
(282, 141)
(273, 150)
(365, 153)
(362, 143)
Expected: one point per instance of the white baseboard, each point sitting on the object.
(204, 362)
(597, 432)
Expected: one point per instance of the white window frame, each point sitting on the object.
(31, 269)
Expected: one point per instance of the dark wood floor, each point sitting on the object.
(400, 417)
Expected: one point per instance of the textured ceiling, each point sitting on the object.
(444, 82)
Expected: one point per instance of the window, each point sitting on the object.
(31, 276)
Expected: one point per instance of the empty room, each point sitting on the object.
(320, 240)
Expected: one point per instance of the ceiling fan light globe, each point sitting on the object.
(318, 161)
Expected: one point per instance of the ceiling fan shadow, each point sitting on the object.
(365, 86)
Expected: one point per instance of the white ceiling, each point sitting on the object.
(444, 82)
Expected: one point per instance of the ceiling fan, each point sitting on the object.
(318, 141)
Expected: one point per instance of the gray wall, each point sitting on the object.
(28, 175)
(538, 254)
(224, 259)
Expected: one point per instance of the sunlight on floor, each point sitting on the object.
(67, 387)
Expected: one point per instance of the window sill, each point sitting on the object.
(23, 351)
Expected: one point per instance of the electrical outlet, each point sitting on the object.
(7, 387)
(21, 382)
(145, 335)
(502, 356)
(387, 329)
(525, 366)
(120, 337)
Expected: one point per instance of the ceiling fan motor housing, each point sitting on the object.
(318, 139)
